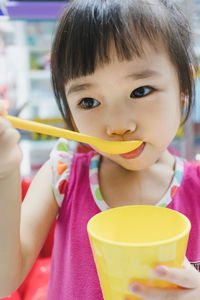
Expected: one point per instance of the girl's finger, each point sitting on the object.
(10, 138)
(184, 277)
(3, 107)
(4, 124)
(146, 293)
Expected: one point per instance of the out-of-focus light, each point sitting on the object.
(197, 157)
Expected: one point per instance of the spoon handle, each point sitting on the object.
(46, 129)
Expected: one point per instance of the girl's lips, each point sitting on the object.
(135, 153)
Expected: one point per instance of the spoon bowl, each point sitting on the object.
(104, 146)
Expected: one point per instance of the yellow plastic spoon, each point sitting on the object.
(105, 146)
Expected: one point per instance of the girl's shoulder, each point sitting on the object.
(188, 175)
(61, 158)
(192, 170)
(186, 180)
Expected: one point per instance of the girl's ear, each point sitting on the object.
(184, 97)
(73, 123)
(184, 100)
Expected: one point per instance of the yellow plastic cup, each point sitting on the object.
(129, 241)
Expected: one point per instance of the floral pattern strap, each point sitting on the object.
(61, 158)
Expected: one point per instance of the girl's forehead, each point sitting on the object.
(152, 59)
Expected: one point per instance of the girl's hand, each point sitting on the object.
(188, 280)
(10, 153)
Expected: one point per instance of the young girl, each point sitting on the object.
(121, 70)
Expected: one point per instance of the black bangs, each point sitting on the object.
(89, 27)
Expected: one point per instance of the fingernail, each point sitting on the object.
(160, 271)
(134, 287)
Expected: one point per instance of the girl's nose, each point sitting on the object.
(121, 131)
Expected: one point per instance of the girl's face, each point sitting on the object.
(129, 100)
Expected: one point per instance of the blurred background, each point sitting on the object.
(26, 33)
(27, 29)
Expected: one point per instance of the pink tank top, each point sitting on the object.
(73, 271)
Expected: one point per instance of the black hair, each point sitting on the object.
(88, 27)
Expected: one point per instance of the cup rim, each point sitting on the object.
(149, 244)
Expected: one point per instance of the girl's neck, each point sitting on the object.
(123, 187)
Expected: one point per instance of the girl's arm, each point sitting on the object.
(10, 202)
(38, 213)
(23, 228)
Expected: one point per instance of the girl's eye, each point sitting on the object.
(141, 92)
(89, 103)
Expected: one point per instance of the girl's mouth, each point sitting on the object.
(133, 154)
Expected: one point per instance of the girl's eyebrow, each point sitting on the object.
(144, 74)
(75, 87)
